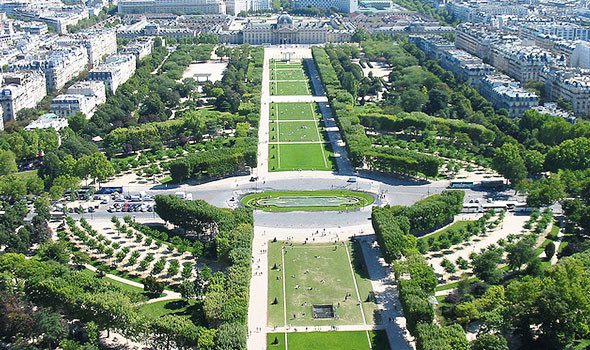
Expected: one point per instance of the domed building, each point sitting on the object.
(285, 30)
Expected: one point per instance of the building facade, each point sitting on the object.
(172, 6)
(115, 71)
(506, 93)
(21, 90)
(346, 6)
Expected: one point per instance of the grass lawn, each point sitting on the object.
(279, 64)
(167, 307)
(25, 175)
(329, 341)
(454, 226)
(304, 156)
(362, 200)
(288, 88)
(313, 275)
(288, 74)
(296, 131)
(294, 111)
(120, 285)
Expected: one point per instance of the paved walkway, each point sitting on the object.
(167, 294)
(338, 146)
(263, 126)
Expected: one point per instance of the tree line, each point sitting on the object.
(396, 229)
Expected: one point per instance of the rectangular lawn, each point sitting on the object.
(288, 88)
(294, 111)
(313, 275)
(329, 341)
(302, 156)
(286, 74)
(297, 131)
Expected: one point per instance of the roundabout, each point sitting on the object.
(328, 200)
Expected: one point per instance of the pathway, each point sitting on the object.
(167, 294)
(263, 125)
(338, 146)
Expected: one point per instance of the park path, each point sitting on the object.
(167, 294)
(386, 295)
(263, 125)
(338, 146)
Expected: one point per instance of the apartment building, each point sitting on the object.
(506, 93)
(115, 71)
(140, 48)
(98, 43)
(523, 63)
(569, 84)
(83, 97)
(172, 6)
(466, 67)
(20, 90)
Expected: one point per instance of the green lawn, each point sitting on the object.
(288, 88)
(363, 199)
(288, 74)
(177, 307)
(314, 275)
(304, 156)
(297, 122)
(296, 131)
(278, 64)
(294, 111)
(329, 341)
(454, 226)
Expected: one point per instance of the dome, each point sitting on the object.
(284, 19)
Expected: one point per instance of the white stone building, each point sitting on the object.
(346, 6)
(47, 121)
(21, 90)
(506, 93)
(172, 6)
(116, 70)
(83, 97)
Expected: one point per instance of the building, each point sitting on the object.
(115, 71)
(286, 30)
(172, 6)
(506, 93)
(83, 97)
(21, 90)
(523, 63)
(569, 84)
(47, 121)
(479, 39)
(346, 6)
(465, 66)
(98, 43)
(567, 31)
(63, 65)
(433, 46)
(140, 48)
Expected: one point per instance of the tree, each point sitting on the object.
(489, 341)
(413, 100)
(549, 250)
(545, 192)
(50, 327)
(521, 252)
(56, 251)
(485, 264)
(360, 35)
(152, 286)
(508, 162)
(43, 207)
(7, 162)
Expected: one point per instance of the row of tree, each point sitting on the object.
(359, 146)
(395, 228)
(225, 299)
